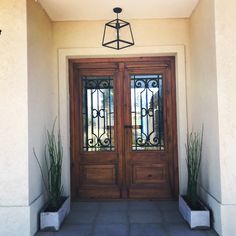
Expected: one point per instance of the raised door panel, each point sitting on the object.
(98, 174)
(149, 174)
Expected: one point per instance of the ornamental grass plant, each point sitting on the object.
(194, 157)
(53, 162)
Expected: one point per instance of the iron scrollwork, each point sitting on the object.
(98, 114)
(147, 112)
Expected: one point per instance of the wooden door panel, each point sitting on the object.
(150, 192)
(149, 174)
(147, 148)
(98, 174)
(141, 161)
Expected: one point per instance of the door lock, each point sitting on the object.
(128, 126)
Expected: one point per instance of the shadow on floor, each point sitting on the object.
(126, 218)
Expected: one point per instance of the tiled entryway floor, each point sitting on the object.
(126, 218)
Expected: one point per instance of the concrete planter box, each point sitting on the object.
(51, 221)
(196, 219)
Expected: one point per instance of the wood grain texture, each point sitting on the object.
(124, 173)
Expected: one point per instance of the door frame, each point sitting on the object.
(75, 139)
(62, 84)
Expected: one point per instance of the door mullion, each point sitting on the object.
(127, 129)
(120, 129)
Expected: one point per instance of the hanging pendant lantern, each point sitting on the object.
(117, 33)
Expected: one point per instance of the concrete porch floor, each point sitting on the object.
(126, 218)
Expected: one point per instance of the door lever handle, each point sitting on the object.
(128, 126)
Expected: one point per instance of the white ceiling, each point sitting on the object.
(73, 10)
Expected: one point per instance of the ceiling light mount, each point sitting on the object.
(117, 33)
(117, 10)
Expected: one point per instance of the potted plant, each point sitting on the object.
(57, 207)
(191, 208)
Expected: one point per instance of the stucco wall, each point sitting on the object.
(30, 69)
(146, 33)
(83, 39)
(226, 73)
(204, 105)
(213, 102)
(203, 102)
(28, 105)
(13, 119)
(13, 90)
(42, 99)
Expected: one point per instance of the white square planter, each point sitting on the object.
(196, 219)
(53, 220)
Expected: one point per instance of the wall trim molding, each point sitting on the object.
(181, 95)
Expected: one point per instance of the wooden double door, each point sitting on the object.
(123, 128)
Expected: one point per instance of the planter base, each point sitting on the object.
(51, 221)
(196, 219)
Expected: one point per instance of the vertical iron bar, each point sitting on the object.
(162, 118)
(92, 112)
(109, 115)
(117, 33)
(147, 115)
(141, 103)
(104, 115)
(86, 113)
(135, 113)
(159, 114)
(98, 119)
(153, 115)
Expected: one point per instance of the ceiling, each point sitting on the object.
(73, 10)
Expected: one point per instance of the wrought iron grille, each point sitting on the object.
(98, 114)
(147, 112)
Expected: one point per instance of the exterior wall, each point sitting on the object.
(203, 102)
(31, 67)
(146, 33)
(225, 19)
(153, 37)
(213, 102)
(14, 216)
(42, 100)
(28, 106)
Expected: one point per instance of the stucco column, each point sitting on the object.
(225, 26)
(14, 191)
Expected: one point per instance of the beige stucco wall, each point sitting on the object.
(213, 102)
(28, 104)
(42, 99)
(83, 39)
(13, 119)
(33, 64)
(204, 102)
(225, 26)
(226, 74)
(146, 33)
(40, 88)
(13, 90)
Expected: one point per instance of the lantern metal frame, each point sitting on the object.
(118, 24)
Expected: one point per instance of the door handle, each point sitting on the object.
(128, 126)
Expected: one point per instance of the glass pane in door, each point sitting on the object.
(147, 112)
(98, 114)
